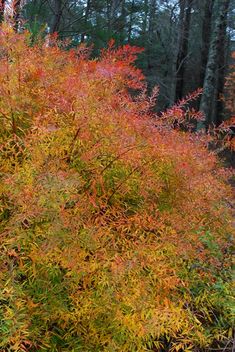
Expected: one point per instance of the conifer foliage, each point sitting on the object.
(115, 229)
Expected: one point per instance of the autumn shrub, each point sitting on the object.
(115, 229)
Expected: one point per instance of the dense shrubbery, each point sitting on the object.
(115, 230)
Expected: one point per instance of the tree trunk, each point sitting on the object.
(145, 19)
(87, 12)
(16, 14)
(151, 28)
(185, 16)
(112, 9)
(56, 16)
(206, 104)
(222, 61)
(122, 22)
(206, 34)
(2, 8)
(130, 21)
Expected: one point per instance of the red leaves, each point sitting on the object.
(118, 62)
(126, 54)
(224, 135)
(180, 115)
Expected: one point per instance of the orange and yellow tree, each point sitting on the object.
(115, 229)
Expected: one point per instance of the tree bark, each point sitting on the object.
(151, 28)
(222, 61)
(56, 16)
(206, 34)
(112, 9)
(16, 14)
(122, 23)
(206, 104)
(130, 21)
(145, 19)
(185, 16)
(2, 8)
(87, 12)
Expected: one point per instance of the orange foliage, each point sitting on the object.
(115, 227)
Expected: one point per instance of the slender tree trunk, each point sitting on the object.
(145, 19)
(122, 22)
(206, 34)
(56, 16)
(206, 104)
(112, 9)
(130, 21)
(87, 12)
(152, 23)
(2, 8)
(185, 16)
(16, 14)
(222, 61)
(108, 14)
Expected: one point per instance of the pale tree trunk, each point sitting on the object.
(209, 89)
(206, 34)
(16, 14)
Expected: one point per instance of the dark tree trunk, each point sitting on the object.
(2, 8)
(87, 12)
(130, 21)
(222, 60)
(151, 30)
(122, 22)
(56, 16)
(112, 9)
(209, 86)
(185, 16)
(145, 19)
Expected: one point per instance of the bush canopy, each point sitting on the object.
(116, 234)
